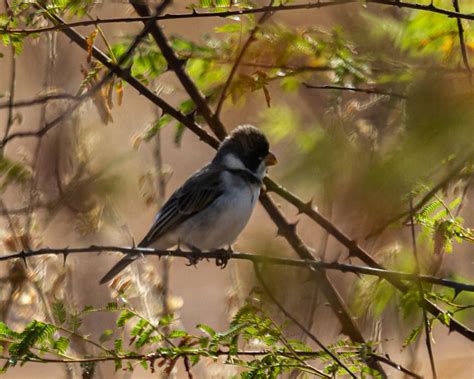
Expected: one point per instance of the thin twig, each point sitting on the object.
(422, 296)
(462, 43)
(372, 91)
(38, 100)
(266, 15)
(47, 82)
(388, 361)
(451, 175)
(11, 96)
(240, 12)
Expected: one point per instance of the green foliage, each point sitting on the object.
(250, 325)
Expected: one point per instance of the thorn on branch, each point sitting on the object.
(292, 226)
(65, 255)
(280, 232)
(457, 291)
(23, 257)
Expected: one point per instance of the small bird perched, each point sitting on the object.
(213, 206)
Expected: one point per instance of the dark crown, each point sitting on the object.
(247, 143)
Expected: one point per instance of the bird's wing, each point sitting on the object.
(198, 192)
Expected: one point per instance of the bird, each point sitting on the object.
(213, 206)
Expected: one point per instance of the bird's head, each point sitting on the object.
(246, 148)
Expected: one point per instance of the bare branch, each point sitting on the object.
(371, 91)
(11, 97)
(39, 100)
(388, 361)
(255, 258)
(240, 12)
(451, 175)
(461, 41)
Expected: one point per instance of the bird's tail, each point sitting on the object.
(119, 266)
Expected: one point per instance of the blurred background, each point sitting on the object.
(101, 173)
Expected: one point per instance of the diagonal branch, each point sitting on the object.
(461, 41)
(359, 252)
(450, 176)
(342, 312)
(177, 65)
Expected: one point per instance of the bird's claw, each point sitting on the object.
(223, 259)
(194, 257)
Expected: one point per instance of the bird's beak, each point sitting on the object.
(270, 160)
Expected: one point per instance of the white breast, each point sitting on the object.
(221, 223)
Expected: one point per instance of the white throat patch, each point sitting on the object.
(232, 162)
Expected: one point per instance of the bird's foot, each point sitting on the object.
(223, 259)
(194, 257)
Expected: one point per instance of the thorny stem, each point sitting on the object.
(219, 254)
(240, 12)
(370, 91)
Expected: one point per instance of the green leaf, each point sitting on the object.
(35, 332)
(144, 337)
(6, 332)
(123, 318)
(112, 306)
(118, 345)
(139, 327)
(59, 312)
(106, 335)
(166, 320)
(228, 28)
(178, 334)
(74, 322)
(150, 132)
(207, 329)
(61, 345)
(412, 336)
